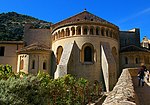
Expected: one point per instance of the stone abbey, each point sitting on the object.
(83, 45)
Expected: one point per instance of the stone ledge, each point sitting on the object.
(123, 93)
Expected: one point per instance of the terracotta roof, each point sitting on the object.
(34, 47)
(133, 48)
(83, 16)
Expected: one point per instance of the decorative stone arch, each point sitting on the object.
(59, 53)
(78, 30)
(97, 31)
(92, 30)
(114, 53)
(73, 30)
(85, 30)
(87, 53)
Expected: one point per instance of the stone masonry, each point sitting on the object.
(123, 93)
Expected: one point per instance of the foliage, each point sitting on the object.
(40, 89)
(12, 25)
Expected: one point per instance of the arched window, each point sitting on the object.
(73, 30)
(85, 31)
(102, 32)
(44, 65)
(62, 33)
(126, 60)
(136, 61)
(110, 33)
(33, 64)
(91, 31)
(78, 30)
(67, 32)
(107, 33)
(97, 31)
(59, 53)
(88, 54)
(59, 35)
(21, 64)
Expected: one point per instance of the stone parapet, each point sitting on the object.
(123, 93)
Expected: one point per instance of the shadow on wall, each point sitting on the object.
(53, 65)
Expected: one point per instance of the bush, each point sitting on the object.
(42, 90)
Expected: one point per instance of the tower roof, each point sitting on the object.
(83, 16)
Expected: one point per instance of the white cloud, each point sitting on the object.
(145, 11)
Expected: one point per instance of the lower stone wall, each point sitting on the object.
(123, 93)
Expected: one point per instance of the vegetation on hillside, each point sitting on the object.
(12, 25)
(21, 89)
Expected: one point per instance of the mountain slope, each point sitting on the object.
(12, 25)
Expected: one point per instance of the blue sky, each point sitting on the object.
(126, 14)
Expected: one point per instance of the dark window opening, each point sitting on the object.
(33, 64)
(91, 31)
(85, 31)
(126, 60)
(2, 51)
(102, 32)
(44, 65)
(97, 31)
(136, 61)
(87, 54)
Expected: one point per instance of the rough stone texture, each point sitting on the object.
(123, 93)
(62, 67)
(108, 66)
(37, 35)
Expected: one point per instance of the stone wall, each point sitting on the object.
(123, 93)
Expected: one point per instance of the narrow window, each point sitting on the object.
(21, 64)
(136, 61)
(2, 51)
(59, 53)
(73, 30)
(97, 31)
(78, 30)
(107, 33)
(85, 31)
(67, 32)
(102, 31)
(87, 54)
(126, 60)
(44, 65)
(91, 31)
(33, 64)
